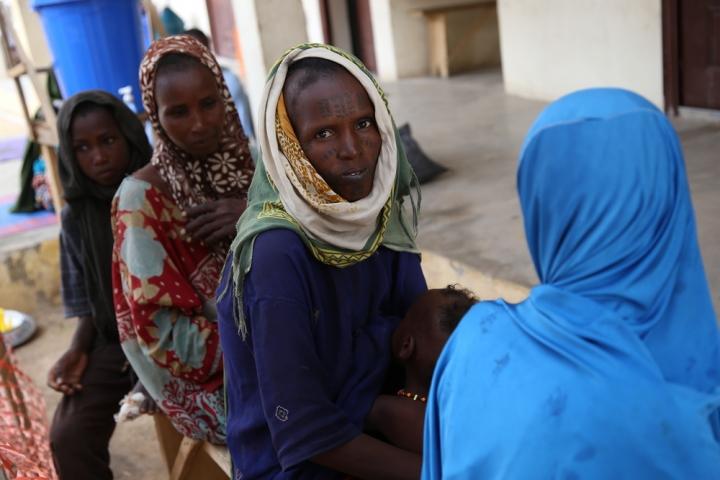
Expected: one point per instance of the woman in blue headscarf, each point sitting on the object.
(610, 369)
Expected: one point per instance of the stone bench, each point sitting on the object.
(461, 37)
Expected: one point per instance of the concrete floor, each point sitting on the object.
(470, 213)
(135, 453)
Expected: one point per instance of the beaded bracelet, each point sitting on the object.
(412, 396)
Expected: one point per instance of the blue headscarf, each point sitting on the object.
(610, 368)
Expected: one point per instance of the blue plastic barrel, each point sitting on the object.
(95, 43)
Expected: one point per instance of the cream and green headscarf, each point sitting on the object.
(287, 192)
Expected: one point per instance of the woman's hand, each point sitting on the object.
(368, 457)
(215, 220)
(65, 374)
(148, 405)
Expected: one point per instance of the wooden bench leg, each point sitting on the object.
(184, 460)
(169, 439)
(189, 459)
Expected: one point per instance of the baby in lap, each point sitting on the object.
(417, 343)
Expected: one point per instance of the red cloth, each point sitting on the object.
(24, 445)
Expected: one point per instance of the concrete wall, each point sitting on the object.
(30, 275)
(553, 47)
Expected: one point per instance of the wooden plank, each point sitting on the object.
(189, 447)
(168, 438)
(17, 71)
(221, 456)
(206, 461)
(438, 47)
(23, 103)
(43, 133)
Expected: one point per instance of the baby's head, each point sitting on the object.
(421, 335)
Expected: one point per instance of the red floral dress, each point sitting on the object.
(164, 289)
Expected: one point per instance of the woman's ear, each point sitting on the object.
(406, 348)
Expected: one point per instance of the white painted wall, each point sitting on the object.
(252, 55)
(313, 21)
(385, 58)
(267, 28)
(552, 47)
(193, 12)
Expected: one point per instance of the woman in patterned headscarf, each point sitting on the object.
(323, 267)
(173, 223)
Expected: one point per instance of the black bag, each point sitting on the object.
(424, 167)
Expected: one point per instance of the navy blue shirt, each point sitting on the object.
(72, 273)
(316, 353)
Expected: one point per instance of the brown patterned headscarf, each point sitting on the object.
(225, 173)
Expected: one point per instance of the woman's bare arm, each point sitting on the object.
(369, 458)
(399, 420)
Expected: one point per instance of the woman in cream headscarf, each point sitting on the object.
(323, 267)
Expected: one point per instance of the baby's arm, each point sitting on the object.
(400, 420)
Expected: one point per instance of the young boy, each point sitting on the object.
(101, 142)
(417, 343)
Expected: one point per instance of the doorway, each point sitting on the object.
(691, 53)
(347, 24)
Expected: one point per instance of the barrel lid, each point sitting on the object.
(37, 4)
